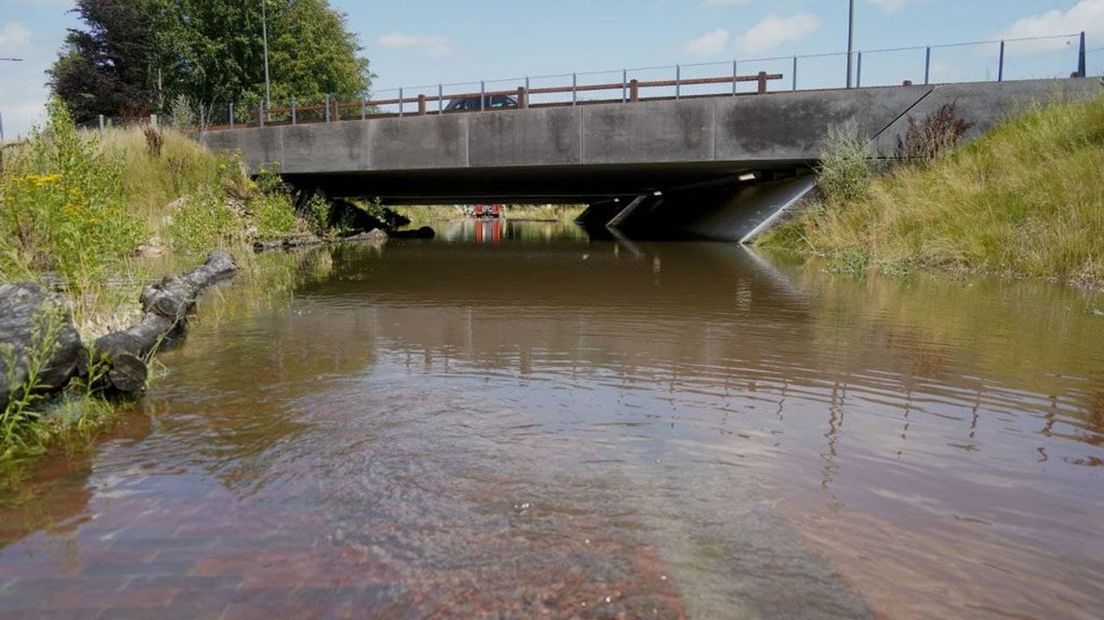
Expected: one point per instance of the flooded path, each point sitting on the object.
(524, 422)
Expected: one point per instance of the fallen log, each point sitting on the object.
(120, 357)
(40, 350)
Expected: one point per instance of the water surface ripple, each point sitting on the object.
(564, 427)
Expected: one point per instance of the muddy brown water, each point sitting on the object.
(519, 421)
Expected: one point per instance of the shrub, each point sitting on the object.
(272, 215)
(317, 212)
(930, 138)
(202, 222)
(60, 208)
(845, 171)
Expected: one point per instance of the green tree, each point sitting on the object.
(136, 55)
(108, 68)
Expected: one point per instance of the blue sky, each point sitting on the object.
(428, 41)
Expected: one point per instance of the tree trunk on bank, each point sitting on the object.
(121, 356)
(37, 338)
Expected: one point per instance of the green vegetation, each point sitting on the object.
(75, 206)
(1025, 200)
(135, 57)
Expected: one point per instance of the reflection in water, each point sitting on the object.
(516, 420)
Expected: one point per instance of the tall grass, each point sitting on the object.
(1027, 199)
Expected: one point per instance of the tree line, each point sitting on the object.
(136, 57)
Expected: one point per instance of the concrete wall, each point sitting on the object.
(747, 131)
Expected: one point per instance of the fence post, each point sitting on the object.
(1000, 64)
(101, 120)
(260, 115)
(927, 67)
(231, 116)
(421, 105)
(762, 82)
(327, 108)
(735, 76)
(795, 74)
(482, 96)
(400, 103)
(858, 73)
(678, 82)
(440, 98)
(363, 107)
(624, 85)
(634, 90)
(522, 98)
(294, 111)
(1082, 59)
(574, 88)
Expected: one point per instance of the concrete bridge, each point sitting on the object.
(719, 167)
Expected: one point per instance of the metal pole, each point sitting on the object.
(1082, 59)
(231, 116)
(294, 111)
(327, 108)
(1000, 64)
(735, 77)
(858, 73)
(400, 103)
(264, 33)
(927, 67)
(482, 96)
(850, 40)
(441, 98)
(574, 88)
(678, 81)
(795, 74)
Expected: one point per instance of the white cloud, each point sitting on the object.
(13, 36)
(1086, 15)
(888, 5)
(774, 31)
(431, 45)
(709, 44)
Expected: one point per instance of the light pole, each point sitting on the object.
(1, 116)
(850, 40)
(264, 36)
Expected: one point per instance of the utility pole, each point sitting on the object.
(850, 41)
(264, 35)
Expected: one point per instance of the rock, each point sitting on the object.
(27, 316)
(373, 236)
(152, 249)
(301, 240)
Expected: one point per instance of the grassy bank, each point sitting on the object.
(90, 216)
(77, 208)
(1025, 200)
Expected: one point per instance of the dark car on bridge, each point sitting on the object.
(490, 102)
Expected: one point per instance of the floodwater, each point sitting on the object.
(518, 421)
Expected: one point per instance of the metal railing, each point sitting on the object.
(1010, 59)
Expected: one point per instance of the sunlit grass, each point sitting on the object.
(1025, 200)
